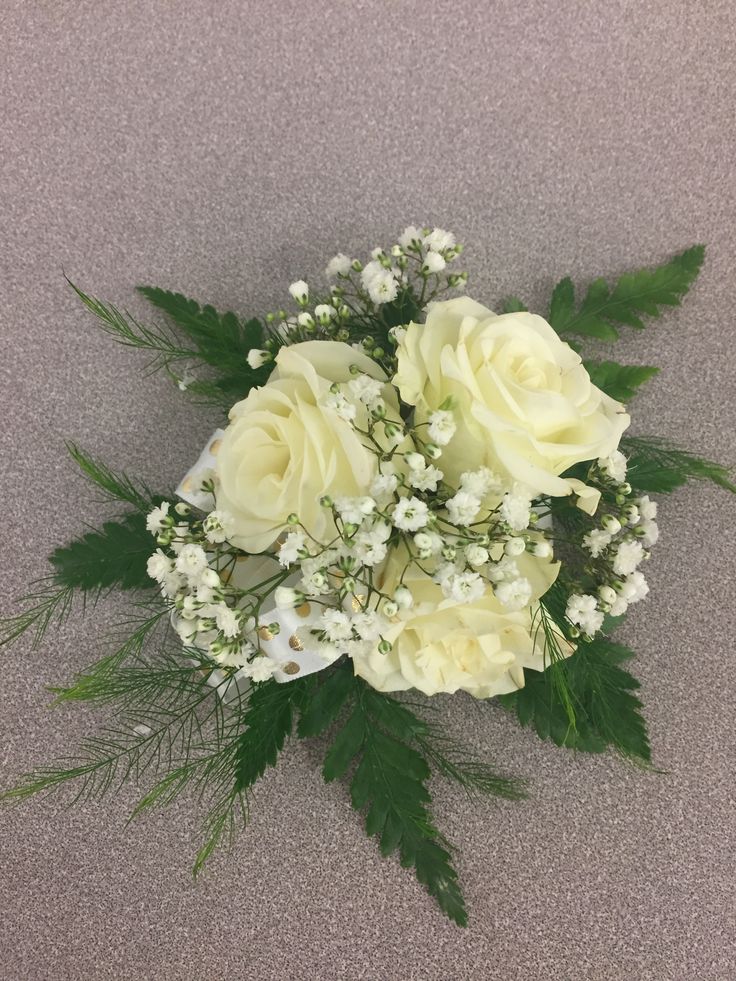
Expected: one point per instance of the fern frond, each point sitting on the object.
(115, 485)
(51, 602)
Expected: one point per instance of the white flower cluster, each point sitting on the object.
(467, 539)
(422, 253)
(417, 262)
(617, 547)
(211, 617)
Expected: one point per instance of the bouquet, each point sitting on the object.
(410, 494)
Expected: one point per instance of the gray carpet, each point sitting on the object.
(225, 149)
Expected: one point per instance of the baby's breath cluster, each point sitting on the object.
(193, 566)
(416, 268)
(467, 539)
(618, 543)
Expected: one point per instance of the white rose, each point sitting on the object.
(443, 646)
(284, 448)
(523, 402)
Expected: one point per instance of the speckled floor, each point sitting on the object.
(225, 149)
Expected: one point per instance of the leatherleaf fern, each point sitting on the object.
(111, 557)
(179, 733)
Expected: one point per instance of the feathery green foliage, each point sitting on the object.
(637, 294)
(126, 330)
(116, 486)
(161, 723)
(262, 732)
(620, 381)
(457, 763)
(100, 682)
(114, 556)
(606, 710)
(222, 341)
(655, 465)
(50, 602)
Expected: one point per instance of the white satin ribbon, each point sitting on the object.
(189, 488)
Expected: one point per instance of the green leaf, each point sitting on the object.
(114, 556)
(346, 745)
(389, 783)
(268, 722)
(562, 304)
(620, 381)
(656, 465)
(637, 294)
(222, 340)
(607, 713)
(324, 706)
(402, 310)
(512, 304)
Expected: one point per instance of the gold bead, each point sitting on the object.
(295, 644)
(264, 633)
(215, 446)
(304, 610)
(291, 668)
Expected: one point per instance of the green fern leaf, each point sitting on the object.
(327, 702)
(642, 293)
(512, 304)
(389, 783)
(222, 339)
(114, 556)
(620, 381)
(607, 712)
(657, 466)
(268, 723)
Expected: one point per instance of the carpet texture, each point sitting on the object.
(225, 149)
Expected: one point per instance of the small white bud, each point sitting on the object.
(476, 555)
(403, 598)
(300, 291)
(416, 461)
(286, 598)
(515, 546)
(422, 541)
(607, 594)
(324, 313)
(433, 263)
(257, 358)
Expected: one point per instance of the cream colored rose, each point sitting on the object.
(441, 646)
(525, 405)
(285, 448)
